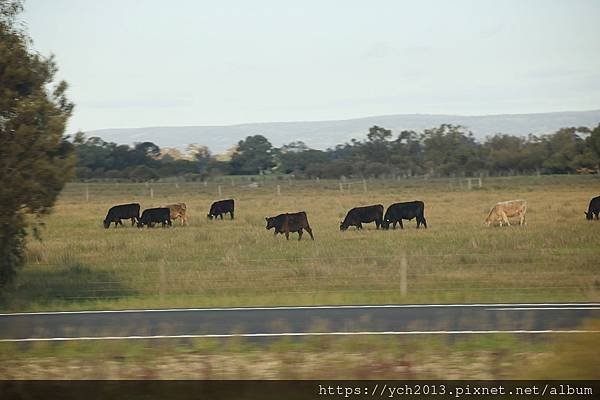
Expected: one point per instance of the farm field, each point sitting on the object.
(80, 265)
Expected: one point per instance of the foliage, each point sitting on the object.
(36, 160)
(253, 156)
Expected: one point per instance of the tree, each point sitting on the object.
(450, 149)
(253, 155)
(566, 151)
(593, 142)
(35, 158)
(295, 157)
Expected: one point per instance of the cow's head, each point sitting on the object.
(588, 215)
(344, 225)
(385, 224)
(140, 224)
(209, 216)
(106, 223)
(270, 222)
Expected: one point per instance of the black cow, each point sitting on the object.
(286, 223)
(408, 210)
(151, 216)
(218, 208)
(359, 215)
(593, 209)
(123, 211)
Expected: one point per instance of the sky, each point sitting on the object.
(185, 63)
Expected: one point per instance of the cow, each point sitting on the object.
(593, 209)
(286, 223)
(218, 208)
(150, 216)
(123, 211)
(504, 210)
(406, 210)
(178, 210)
(359, 215)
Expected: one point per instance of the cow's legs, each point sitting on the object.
(287, 235)
(424, 222)
(597, 213)
(505, 218)
(132, 221)
(300, 234)
(359, 226)
(221, 215)
(310, 232)
(231, 212)
(522, 219)
(394, 224)
(401, 224)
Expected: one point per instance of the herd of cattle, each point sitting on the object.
(298, 222)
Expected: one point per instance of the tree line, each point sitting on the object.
(447, 150)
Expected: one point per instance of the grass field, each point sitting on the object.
(80, 265)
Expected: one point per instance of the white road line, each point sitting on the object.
(541, 308)
(284, 334)
(326, 307)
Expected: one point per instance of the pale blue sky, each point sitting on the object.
(157, 63)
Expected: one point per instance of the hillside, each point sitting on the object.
(324, 134)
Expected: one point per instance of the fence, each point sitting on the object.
(398, 278)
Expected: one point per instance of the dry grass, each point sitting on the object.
(499, 356)
(80, 265)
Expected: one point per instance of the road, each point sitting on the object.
(297, 321)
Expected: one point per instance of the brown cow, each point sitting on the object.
(286, 223)
(178, 210)
(506, 209)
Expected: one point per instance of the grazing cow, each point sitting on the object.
(407, 210)
(178, 210)
(123, 211)
(151, 216)
(286, 223)
(593, 209)
(359, 215)
(507, 209)
(218, 208)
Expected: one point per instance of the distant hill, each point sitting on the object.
(324, 134)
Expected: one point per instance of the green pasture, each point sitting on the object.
(81, 265)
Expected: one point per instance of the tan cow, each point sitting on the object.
(178, 210)
(504, 210)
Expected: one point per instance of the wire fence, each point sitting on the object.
(400, 276)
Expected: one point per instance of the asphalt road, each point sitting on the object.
(297, 321)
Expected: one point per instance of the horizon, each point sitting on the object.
(347, 119)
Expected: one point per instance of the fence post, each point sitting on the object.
(469, 185)
(365, 185)
(232, 184)
(341, 188)
(480, 183)
(87, 193)
(220, 191)
(278, 190)
(151, 193)
(162, 281)
(205, 183)
(403, 274)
